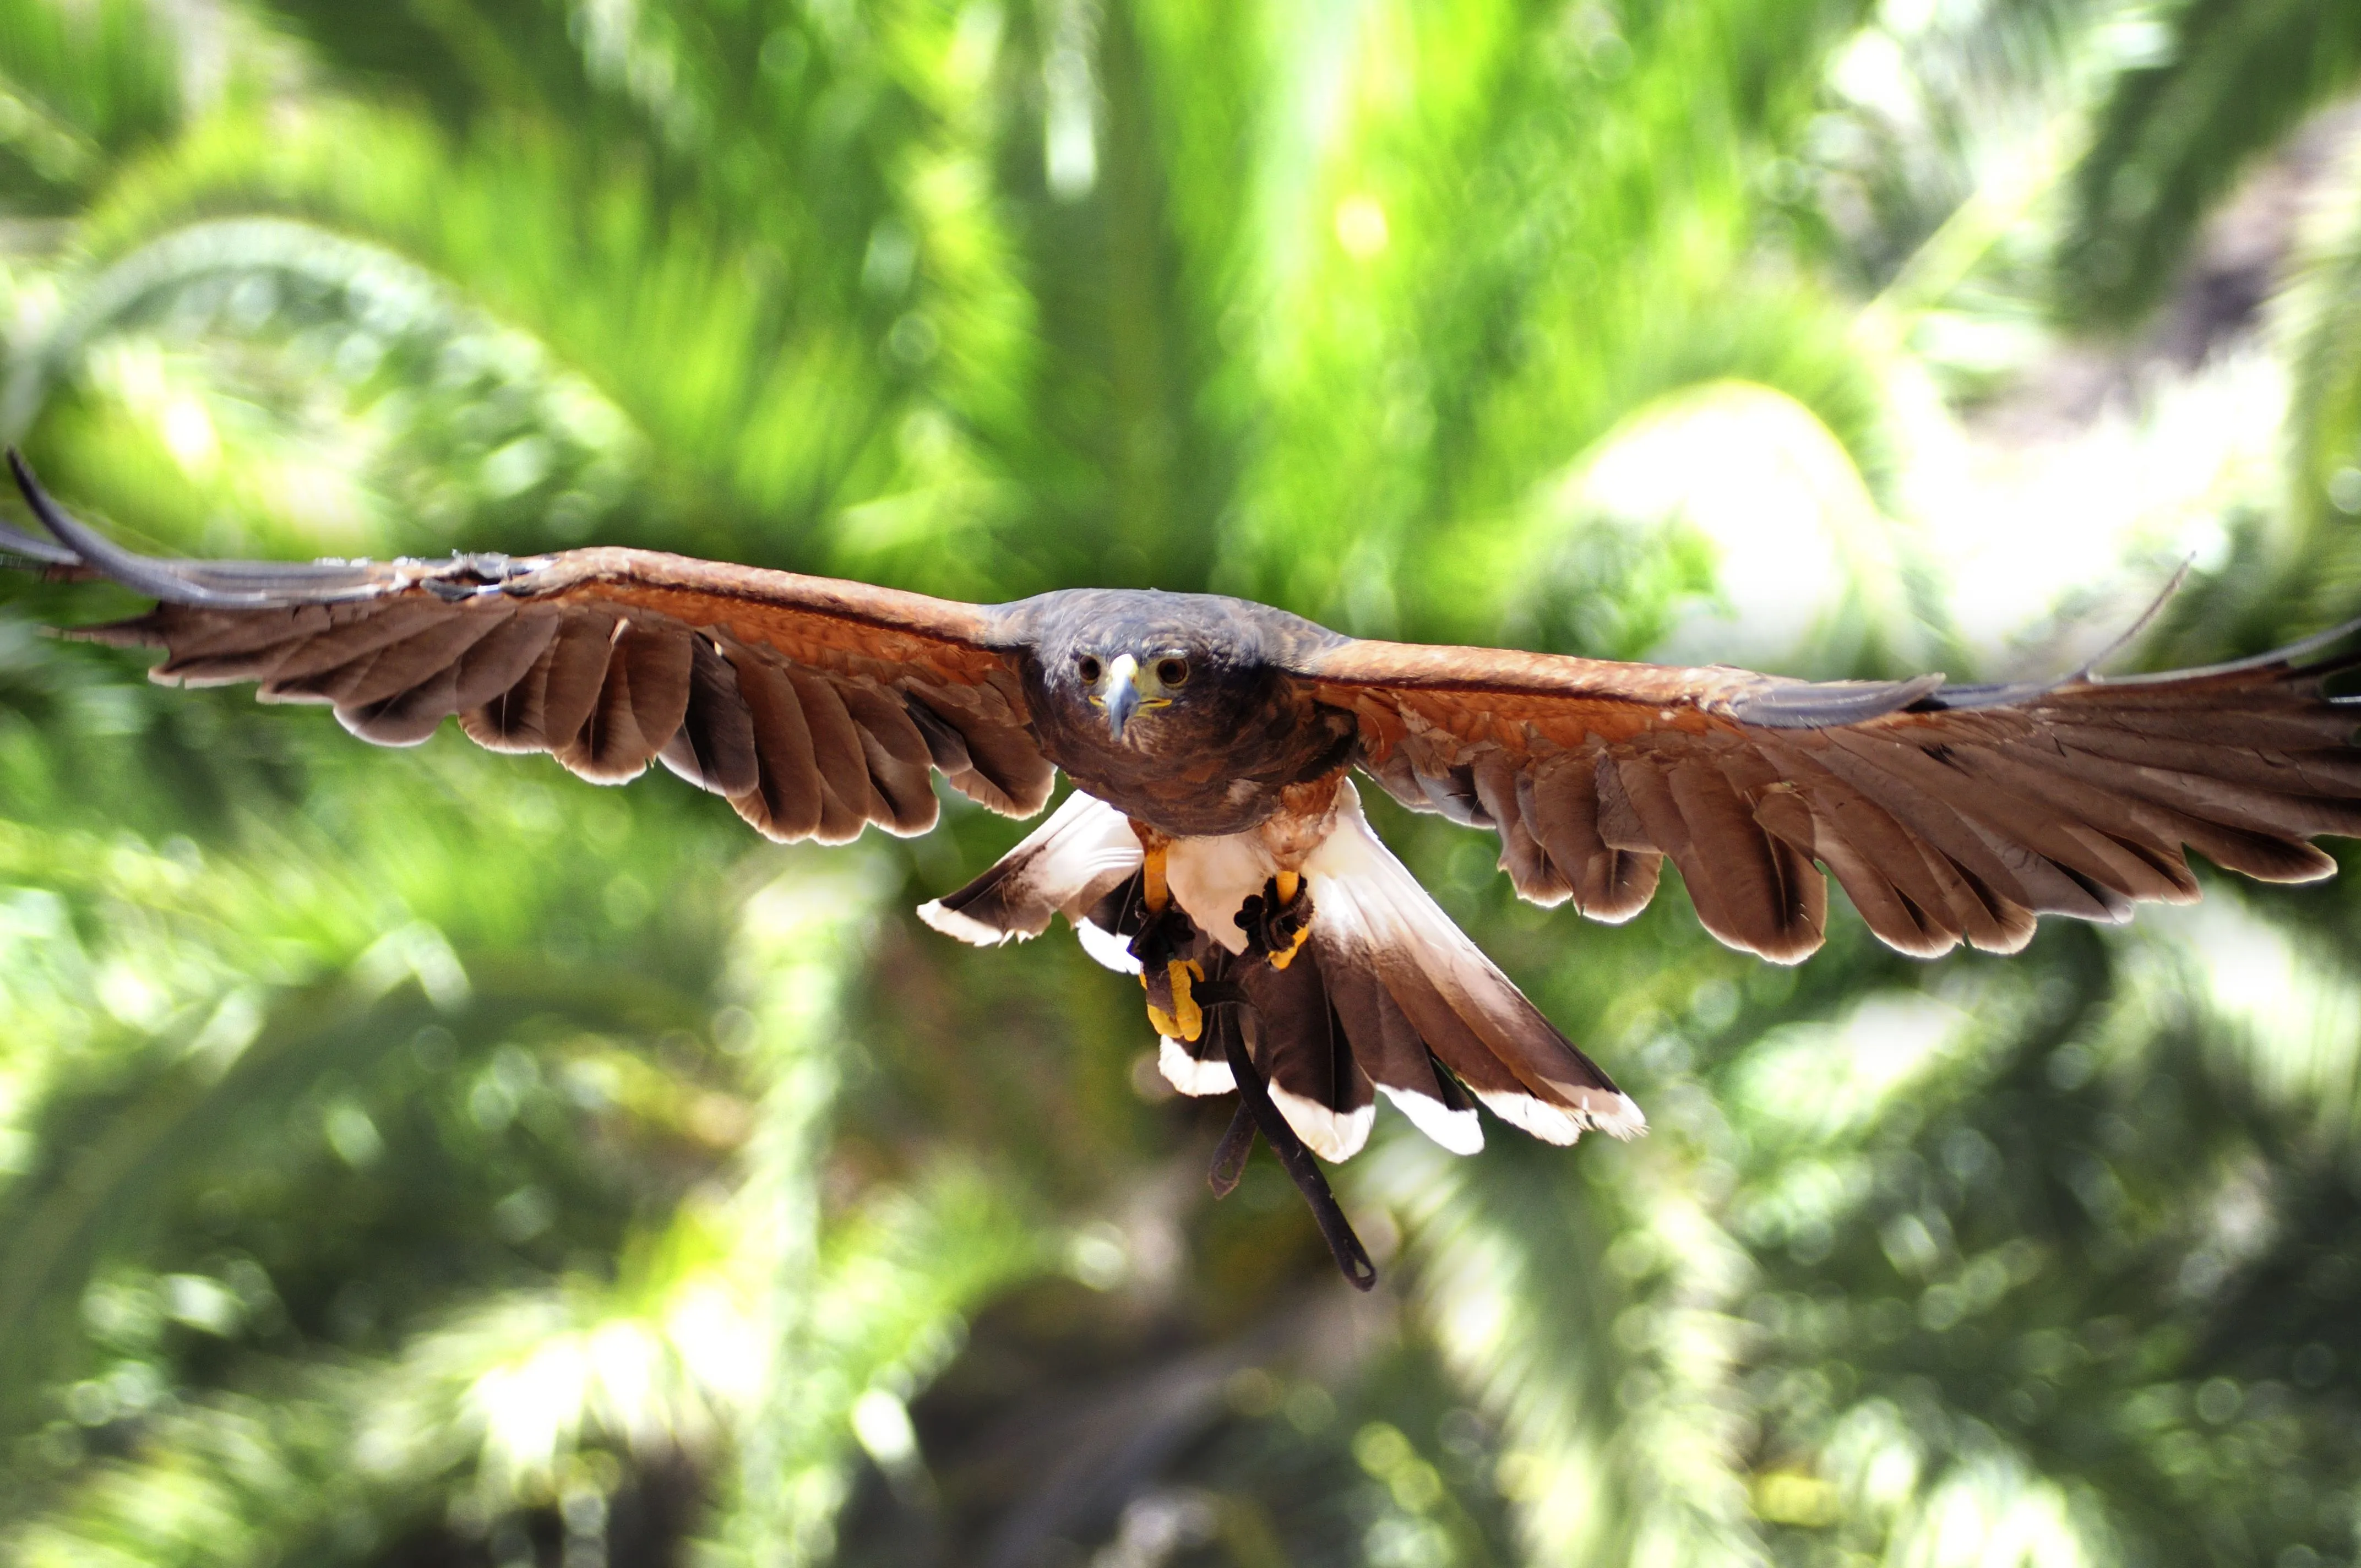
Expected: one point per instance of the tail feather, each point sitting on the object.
(1372, 913)
(1196, 1066)
(1306, 1057)
(1387, 995)
(1390, 1050)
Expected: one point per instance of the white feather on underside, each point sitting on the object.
(1368, 912)
(1457, 1131)
(1192, 1075)
(1067, 864)
(1105, 947)
(1333, 1135)
(952, 923)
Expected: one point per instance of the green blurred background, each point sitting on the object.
(422, 1157)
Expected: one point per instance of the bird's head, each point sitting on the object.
(1151, 675)
(1125, 685)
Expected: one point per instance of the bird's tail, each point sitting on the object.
(1387, 994)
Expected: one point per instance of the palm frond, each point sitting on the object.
(2321, 321)
(2210, 87)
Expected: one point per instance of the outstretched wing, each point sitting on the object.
(814, 706)
(1947, 813)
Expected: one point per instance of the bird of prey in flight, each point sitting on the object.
(1215, 844)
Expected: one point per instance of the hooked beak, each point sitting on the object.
(1119, 692)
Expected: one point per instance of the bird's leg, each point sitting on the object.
(1155, 888)
(1278, 920)
(1167, 976)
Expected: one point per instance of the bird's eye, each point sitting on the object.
(1172, 672)
(1088, 668)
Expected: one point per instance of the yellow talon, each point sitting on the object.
(1282, 959)
(1186, 1012)
(1187, 1020)
(1288, 882)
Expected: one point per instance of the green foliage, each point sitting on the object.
(2322, 319)
(420, 1156)
(79, 89)
(2207, 88)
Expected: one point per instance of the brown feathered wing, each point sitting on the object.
(815, 706)
(1947, 814)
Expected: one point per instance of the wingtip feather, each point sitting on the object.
(1105, 947)
(952, 923)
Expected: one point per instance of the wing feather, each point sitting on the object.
(636, 708)
(786, 803)
(306, 670)
(1529, 865)
(714, 748)
(1947, 814)
(1769, 902)
(898, 762)
(816, 707)
(848, 802)
(1985, 840)
(1608, 883)
(574, 677)
(407, 717)
(502, 659)
(1907, 892)
(398, 667)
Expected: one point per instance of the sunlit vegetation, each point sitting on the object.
(421, 1157)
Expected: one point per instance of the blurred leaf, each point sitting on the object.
(2202, 90)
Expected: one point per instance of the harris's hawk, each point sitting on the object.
(1214, 843)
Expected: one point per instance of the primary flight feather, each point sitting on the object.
(1214, 842)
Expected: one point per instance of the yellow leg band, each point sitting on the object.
(1288, 885)
(1153, 887)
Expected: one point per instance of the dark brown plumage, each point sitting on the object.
(1210, 740)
